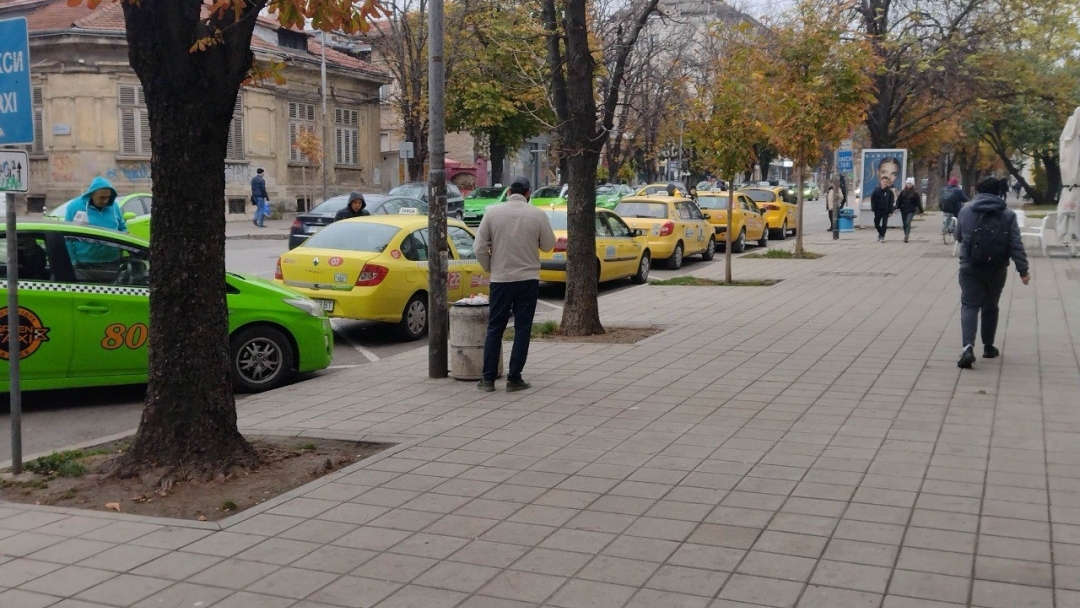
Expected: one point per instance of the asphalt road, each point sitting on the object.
(56, 419)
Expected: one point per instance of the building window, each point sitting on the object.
(235, 149)
(345, 135)
(134, 122)
(384, 142)
(38, 103)
(288, 39)
(384, 93)
(301, 118)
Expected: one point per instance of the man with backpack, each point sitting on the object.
(952, 199)
(989, 237)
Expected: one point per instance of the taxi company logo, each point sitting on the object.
(31, 333)
(314, 261)
(335, 261)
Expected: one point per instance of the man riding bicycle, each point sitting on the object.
(952, 199)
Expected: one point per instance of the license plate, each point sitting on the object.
(312, 229)
(327, 305)
(470, 214)
(558, 256)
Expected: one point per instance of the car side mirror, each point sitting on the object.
(706, 216)
(128, 215)
(762, 211)
(638, 232)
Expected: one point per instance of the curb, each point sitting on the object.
(259, 237)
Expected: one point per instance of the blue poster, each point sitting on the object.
(885, 168)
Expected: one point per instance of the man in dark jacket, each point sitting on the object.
(883, 203)
(952, 199)
(357, 207)
(981, 285)
(260, 198)
(909, 202)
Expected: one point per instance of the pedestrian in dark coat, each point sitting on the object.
(909, 202)
(883, 203)
(357, 207)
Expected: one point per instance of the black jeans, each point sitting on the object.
(881, 222)
(518, 297)
(980, 290)
(906, 217)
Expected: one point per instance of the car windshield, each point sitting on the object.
(607, 189)
(649, 210)
(761, 196)
(353, 236)
(58, 211)
(712, 201)
(331, 205)
(557, 219)
(485, 193)
(410, 190)
(394, 206)
(547, 192)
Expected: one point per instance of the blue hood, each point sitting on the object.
(98, 183)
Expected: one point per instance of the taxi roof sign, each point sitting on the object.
(16, 106)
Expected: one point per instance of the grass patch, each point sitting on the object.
(784, 254)
(700, 282)
(304, 447)
(228, 505)
(539, 330)
(59, 464)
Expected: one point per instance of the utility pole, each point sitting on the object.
(438, 311)
(678, 176)
(325, 125)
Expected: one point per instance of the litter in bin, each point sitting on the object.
(477, 299)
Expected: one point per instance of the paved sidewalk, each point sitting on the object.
(810, 444)
(246, 228)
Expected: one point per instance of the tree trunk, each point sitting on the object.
(799, 198)
(1053, 179)
(189, 419)
(498, 160)
(727, 233)
(581, 314)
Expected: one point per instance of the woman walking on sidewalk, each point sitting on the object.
(908, 203)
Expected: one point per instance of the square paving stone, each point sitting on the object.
(329, 558)
(523, 586)
(483, 601)
(265, 524)
(498, 555)
(457, 576)
(786, 543)
(233, 573)
(652, 598)
(423, 597)
(1038, 574)
(709, 557)
(292, 582)
(857, 577)
(171, 538)
(224, 544)
(430, 545)
(551, 561)
(70, 551)
(354, 592)
(318, 531)
(352, 513)
(27, 543)
(577, 540)
(618, 570)
(990, 594)
(69, 581)
(392, 567)
(589, 594)
(465, 527)
(19, 571)
(649, 549)
(758, 590)
(73, 526)
(725, 536)
(25, 599)
(177, 565)
(372, 539)
(278, 551)
(929, 586)
(184, 595)
(857, 552)
(667, 529)
(123, 558)
(773, 565)
(250, 600)
(597, 521)
(829, 597)
(124, 589)
(680, 579)
(518, 533)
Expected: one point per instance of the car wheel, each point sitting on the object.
(710, 251)
(782, 234)
(675, 261)
(739, 245)
(764, 240)
(414, 319)
(261, 358)
(644, 265)
(459, 216)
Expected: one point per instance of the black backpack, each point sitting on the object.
(950, 201)
(991, 239)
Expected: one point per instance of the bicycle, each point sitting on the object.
(948, 232)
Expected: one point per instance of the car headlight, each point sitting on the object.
(306, 305)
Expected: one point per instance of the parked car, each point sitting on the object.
(811, 191)
(675, 226)
(747, 221)
(322, 215)
(609, 195)
(135, 207)
(548, 196)
(621, 252)
(375, 268)
(455, 200)
(781, 216)
(480, 199)
(84, 294)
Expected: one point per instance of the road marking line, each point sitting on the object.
(346, 366)
(370, 356)
(558, 308)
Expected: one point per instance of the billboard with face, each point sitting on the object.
(881, 168)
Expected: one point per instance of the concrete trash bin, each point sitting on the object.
(468, 329)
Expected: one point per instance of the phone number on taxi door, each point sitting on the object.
(118, 334)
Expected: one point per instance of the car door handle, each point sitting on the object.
(94, 310)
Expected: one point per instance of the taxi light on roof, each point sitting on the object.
(371, 274)
(667, 228)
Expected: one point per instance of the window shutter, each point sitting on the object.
(144, 132)
(339, 135)
(128, 139)
(127, 95)
(235, 149)
(294, 154)
(39, 132)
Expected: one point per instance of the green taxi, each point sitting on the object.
(84, 315)
(136, 208)
(480, 199)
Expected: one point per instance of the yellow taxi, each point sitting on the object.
(781, 216)
(621, 251)
(675, 226)
(375, 268)
(747, 222)
(659, 188)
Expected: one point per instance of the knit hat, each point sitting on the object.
(954, 181)
(909, 181)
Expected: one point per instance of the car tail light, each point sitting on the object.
(297, 224)
(371, 274)
(277, 271)
(773, 207)
(560, 245)
(667, 228)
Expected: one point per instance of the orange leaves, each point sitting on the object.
(261, 73)
(345, 15)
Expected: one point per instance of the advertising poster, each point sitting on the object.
(881, 167)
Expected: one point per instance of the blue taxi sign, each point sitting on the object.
(16, 106)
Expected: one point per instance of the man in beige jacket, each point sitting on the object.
(508, 246)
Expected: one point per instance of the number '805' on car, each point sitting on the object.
(84, 315)
(375, 268)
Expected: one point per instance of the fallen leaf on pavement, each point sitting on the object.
(115, 506)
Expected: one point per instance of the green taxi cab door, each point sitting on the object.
(110, 306)
(45, 323)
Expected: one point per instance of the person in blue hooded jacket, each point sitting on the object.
(95, 207)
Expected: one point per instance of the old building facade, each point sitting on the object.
(91, 119)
